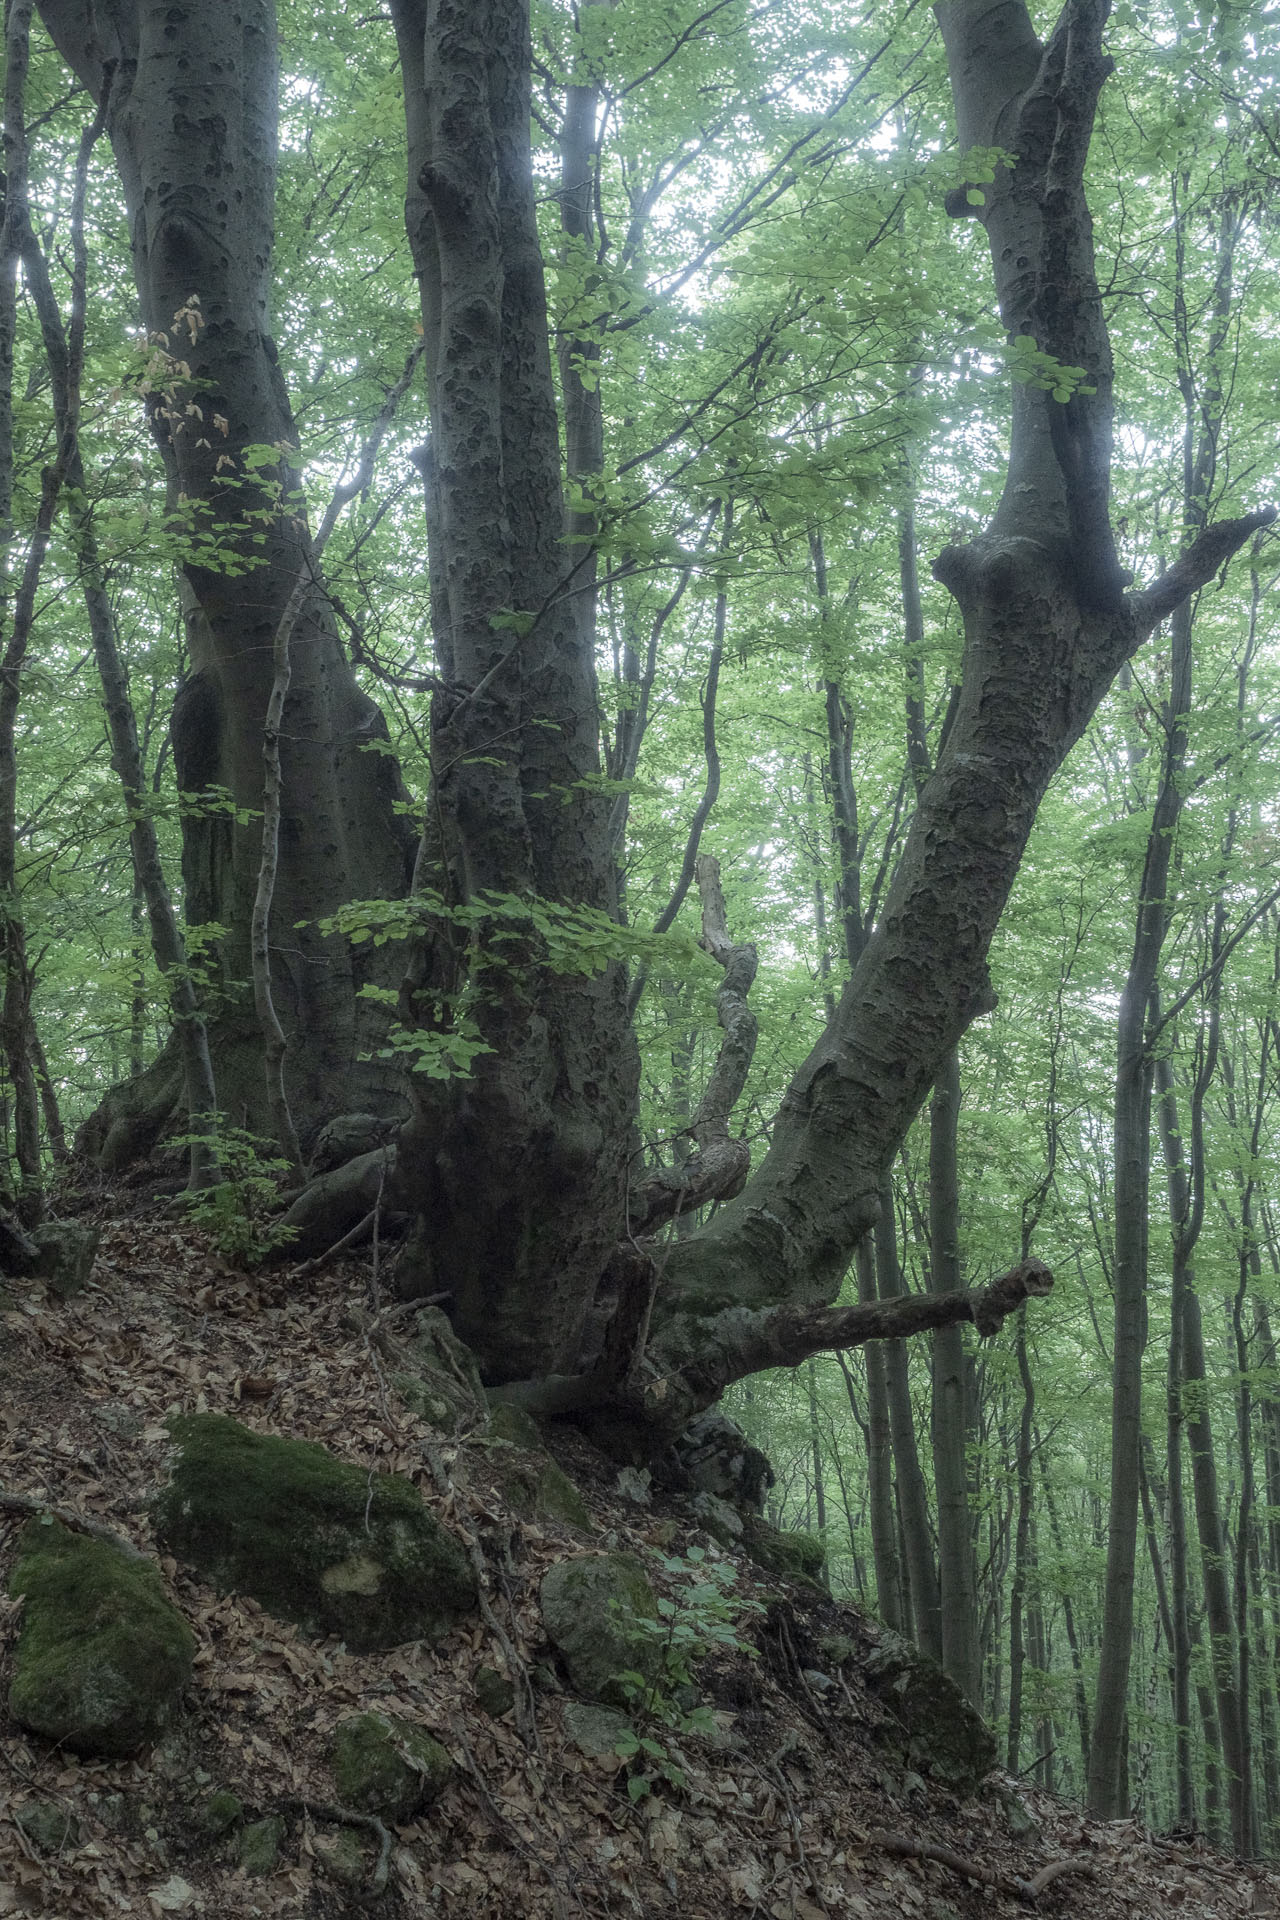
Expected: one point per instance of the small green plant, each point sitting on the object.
(236, 1213)
(704, 1617)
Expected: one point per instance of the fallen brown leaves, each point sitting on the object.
(789, 1823)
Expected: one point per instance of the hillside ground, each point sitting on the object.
(803, 1808)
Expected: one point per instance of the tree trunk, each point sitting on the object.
(519, 1174)
(949, 1400)
(884, 1534)
(1047, 625)
(199, 184)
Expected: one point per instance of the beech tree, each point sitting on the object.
(519, 1170)
(190, 101)
(533, 1210)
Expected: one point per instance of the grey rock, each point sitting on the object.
(260, 1844)
(716, 1517)
(593, 1607)
(387, 1766)
(494, 1692)
(944, 1736)
(65, 1251)
(595, 1730)
(48, 1825)
(719, 1459)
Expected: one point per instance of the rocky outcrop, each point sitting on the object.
(942, 1734)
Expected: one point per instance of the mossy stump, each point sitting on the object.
(330, 1546)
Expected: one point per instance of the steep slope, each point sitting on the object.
(803, 1797)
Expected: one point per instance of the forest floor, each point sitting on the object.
(811, 1814)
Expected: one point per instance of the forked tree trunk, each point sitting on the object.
(1047, 625)
(519, 1174)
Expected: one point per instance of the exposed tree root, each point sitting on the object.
(1027, 1891)
(73, 1522)
(347, 1817)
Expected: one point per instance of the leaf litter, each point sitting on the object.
(788, 1815)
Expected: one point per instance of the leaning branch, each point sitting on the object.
(737, 1342)
(786, 1336)
(1207, 553)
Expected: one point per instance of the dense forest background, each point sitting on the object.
(805, 395)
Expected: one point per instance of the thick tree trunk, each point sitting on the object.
(520, 1173)
(191, 117)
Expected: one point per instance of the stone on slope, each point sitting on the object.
(103, 1655)
(333, 1547)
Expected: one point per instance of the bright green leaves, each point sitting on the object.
(1031, 368)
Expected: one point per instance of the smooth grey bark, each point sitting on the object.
(923, 1601)
(1068, 1613)
(1022, 1550)
(191, 114)
(884, 1532)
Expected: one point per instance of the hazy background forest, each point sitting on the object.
(805, 396)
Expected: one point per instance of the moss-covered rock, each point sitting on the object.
(219, 1814)
(512, 1424)
(103, 1655)
(944, 1736)
(596, 1731)
(314, 1540)
(590, 1609)
(442, 1384)
(344, 1855)
(494, 1693)
(791, 1555)
(48, 1825)
(385, 1765)
(537, 1489)
(260, 1844)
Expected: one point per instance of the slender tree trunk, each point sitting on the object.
(884, 1537)
(950, 1413)
(1022, 1547)
(16, 1025)
(919, 1566)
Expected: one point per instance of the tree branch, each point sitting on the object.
(1207, 553)
(736, 1343)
